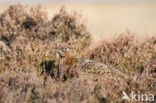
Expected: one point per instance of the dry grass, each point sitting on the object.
(28, 40)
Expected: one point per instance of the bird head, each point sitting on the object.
(64, 51)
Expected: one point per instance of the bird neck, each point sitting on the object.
(70, 60)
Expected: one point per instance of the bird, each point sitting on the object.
(71, 65)
(66, 62)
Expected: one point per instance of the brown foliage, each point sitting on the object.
(28, 41)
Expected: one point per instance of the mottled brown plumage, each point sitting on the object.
(67, 60)
(70, 65)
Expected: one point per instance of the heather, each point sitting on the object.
(28, 59)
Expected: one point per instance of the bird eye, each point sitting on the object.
(65, 49)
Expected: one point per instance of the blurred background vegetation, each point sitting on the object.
(105, 17)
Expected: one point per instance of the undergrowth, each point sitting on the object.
(28, 42)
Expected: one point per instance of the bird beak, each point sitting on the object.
(58, 50)
(60, 53)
